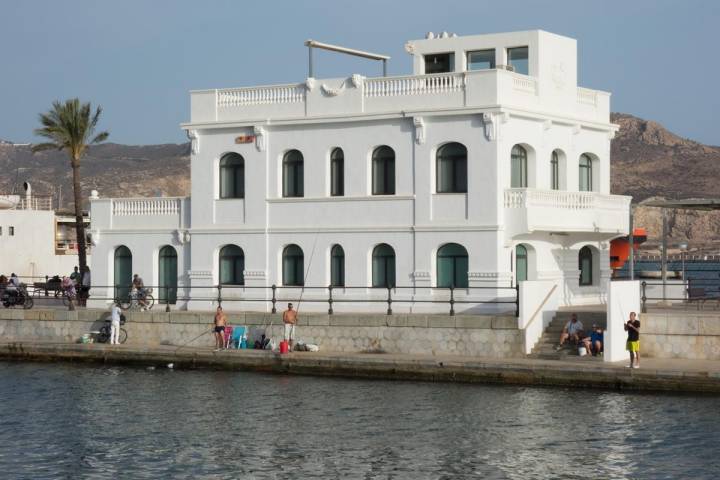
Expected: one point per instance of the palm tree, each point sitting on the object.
(70, 126)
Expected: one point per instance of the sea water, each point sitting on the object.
(67, 421)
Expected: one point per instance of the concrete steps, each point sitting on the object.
(545, 347)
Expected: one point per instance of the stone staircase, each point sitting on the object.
(545, 347)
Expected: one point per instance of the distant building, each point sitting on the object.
(485, 167)
(35, 240)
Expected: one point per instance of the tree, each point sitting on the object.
(70, 126)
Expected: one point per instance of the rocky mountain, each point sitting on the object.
(648, 161)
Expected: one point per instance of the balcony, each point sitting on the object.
(358, 95)
(140, 213)
(529, 210)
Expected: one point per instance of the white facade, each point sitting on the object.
(489, 112)
(30, 245)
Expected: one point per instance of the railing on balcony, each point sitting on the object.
(529, 197)
(586, 96)
(39, 202)
(235, 97)
(146, 206)
(414, 85)
(524, 83)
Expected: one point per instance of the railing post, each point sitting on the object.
(389, 301)
(643, 298)
(330, 300)
(219, 299)
(167, 299)
(517, 299)
(452, 301)
(46, 282)
(274, 299)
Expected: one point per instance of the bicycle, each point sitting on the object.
(103, 335)
(132, 301)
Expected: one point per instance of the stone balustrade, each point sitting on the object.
(123, 207)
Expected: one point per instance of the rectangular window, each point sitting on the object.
(439, 63)
(11, 231)
(481, 60)
(518, 59)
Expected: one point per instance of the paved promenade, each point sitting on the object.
(582, 372)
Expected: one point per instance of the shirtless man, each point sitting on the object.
(290, 320)
(219, 329)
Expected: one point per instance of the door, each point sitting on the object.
(122, 276)
(167, 275)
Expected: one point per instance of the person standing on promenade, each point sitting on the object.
(633, 340)
(85, 286)
(114, 324)
(290, 320)
(75, 276)
(219, 329)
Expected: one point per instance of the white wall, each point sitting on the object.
(623, 298)
(31, 250)
(539, 301)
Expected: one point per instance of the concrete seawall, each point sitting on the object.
(689, 334)
(471, 335)
(578, 373)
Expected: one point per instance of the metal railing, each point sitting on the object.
(694, 291)
(276, 294)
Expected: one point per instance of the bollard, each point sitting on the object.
(389, 301)
(330, 300)
(167, 299)
(274, 299)
(452, 301)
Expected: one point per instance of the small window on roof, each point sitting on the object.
(481, 60)
(518, 59)
(439, 63)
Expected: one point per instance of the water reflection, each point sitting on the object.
(61, 421)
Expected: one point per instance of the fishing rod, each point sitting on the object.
(307, 273)
(189, 342)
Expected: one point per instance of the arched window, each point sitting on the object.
(337, 266)
(451, 168)
(555, 171)
(293, 175)
(586, 266)
(337, 173)
(383, 171)
(452, 266)
(168, 278)
(518, 166)
(383, 266)
(122, 271)
(292, 266)
(232, 176)
(586, 173)
(521, 263)
(232, 265)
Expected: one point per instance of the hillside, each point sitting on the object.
(647, 161)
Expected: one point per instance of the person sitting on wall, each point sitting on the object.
(593, 343)
(573, 331)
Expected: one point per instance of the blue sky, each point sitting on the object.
(139, 58)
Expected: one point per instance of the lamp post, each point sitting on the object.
(683, 251)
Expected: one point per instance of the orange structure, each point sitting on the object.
(620, 248)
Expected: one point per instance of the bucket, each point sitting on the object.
(582, 351)
(284, 346)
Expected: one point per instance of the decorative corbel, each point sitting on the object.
(194, 141)
(419, 130)
(94, 237)
(310, 83)
(576, 129)
(547, 124)
(357, 80)
(259, 138)
(490, 125)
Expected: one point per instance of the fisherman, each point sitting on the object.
(115, 324)
(290, 320)
(219, 328)
(633, 340)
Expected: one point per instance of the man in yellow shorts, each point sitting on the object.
(633, 340)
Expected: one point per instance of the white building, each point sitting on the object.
(35, 240)
(487, 166)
